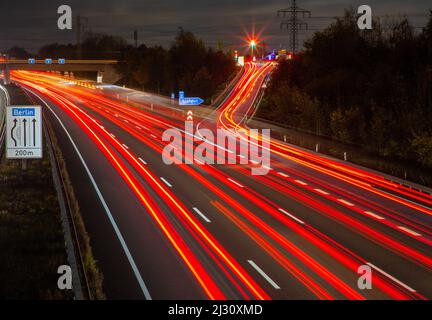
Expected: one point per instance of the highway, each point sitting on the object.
(204, 231)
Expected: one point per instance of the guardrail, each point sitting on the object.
(85, 291)
(4, 101)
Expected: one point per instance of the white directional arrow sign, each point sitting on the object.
(23, 132)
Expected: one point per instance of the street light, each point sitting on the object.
(252, 45)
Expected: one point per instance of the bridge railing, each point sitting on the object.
(54, 61)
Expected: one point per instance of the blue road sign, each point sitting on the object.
(61, 61)
(190, 101)
(48, 61)
(31, 61)
(181, 94)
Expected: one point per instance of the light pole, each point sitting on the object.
(252, 45)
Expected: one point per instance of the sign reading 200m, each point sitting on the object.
(23, 132)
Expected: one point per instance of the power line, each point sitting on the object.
(294, 23)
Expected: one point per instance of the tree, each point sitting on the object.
(372, 88)
(18, 52)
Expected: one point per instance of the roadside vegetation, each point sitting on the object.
(89, 273)
(186, 65)
(32, 244)
(371, 89)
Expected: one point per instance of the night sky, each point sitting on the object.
(31, 24)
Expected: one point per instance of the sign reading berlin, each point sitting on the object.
(23, 132)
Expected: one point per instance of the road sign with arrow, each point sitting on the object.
(23, 132)
(190, 101)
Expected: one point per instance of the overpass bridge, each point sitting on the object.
(105, 69)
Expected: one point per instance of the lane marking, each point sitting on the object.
(264, 275)
(291, 216)
(301, 182)
(199, 161)
(409, 231)
(125, 146)
(322, 191)
(391, 277)
(235, 182)
(202, 215)
(201, 138)
(117, 231)
(153, 135)
(374, 215)
(283, 174)
(166, 182)
(346, 202)
(140, 159)
(112, 135)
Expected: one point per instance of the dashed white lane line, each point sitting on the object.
(139, 128)
(199, 161)
(346, 202)
(409, 231)
(235, 182)
(264, 275)
(301, 182)
(391, 277)
(166, 182)
(140, 159)
(125, 146)
(291, 216)
(374, 215)
(283, 174)
(322, 191)
(153, 136)
(112, 135)
(202, 215)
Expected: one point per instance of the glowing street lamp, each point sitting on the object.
(252, 45)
